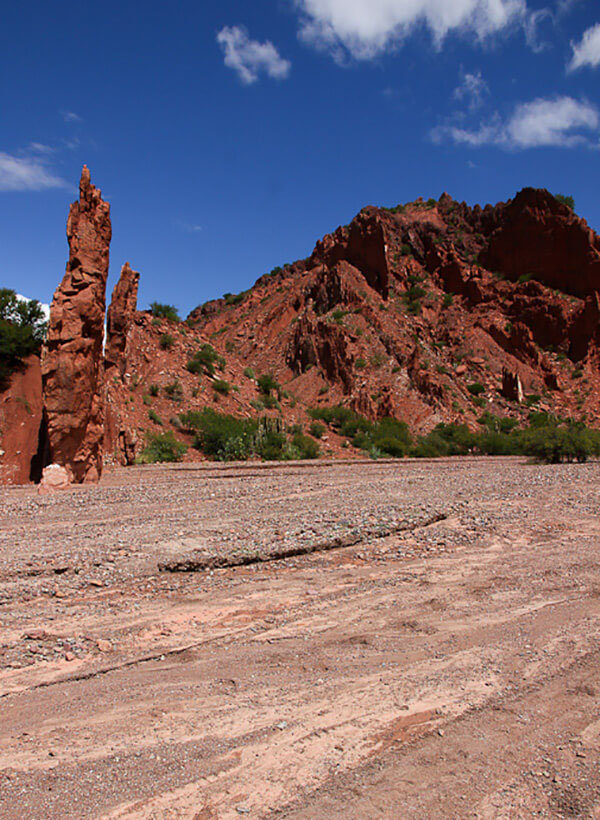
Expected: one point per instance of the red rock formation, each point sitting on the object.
(363, 244)
(20, 421)
(72, 363)
(324, 345)
(512, 389)
(541, 237)
(119, 319)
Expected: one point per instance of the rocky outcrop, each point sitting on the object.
(363, 244)
(119, 319)
(72, 362)
(20, 423)
(317, 343)
(512, 389)
(538, 236)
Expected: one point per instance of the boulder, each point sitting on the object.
(54, 478)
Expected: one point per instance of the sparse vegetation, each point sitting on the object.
(160, 311)
(174, 390)
(221, 386)
(317, 430)
(476, 388)
(228, 438)
(267, 384)
(153, 416)
(205, 361)
(162, 447)
(566, 200)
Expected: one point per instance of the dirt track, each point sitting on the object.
(442, 671)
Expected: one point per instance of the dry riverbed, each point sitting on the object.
(358, 640)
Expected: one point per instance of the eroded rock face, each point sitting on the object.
(540, 237)
(363, 244)
(20, 421)
(512, 388)
(119, 318)
(72, 363)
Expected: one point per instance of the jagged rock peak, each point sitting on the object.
(120, 316)
(73, 364)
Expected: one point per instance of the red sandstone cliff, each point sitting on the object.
(20, 422)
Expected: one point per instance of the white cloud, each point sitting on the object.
(561, 122)
(249, 57)
(26, 173)
(472, 88)
(70, 116)
(364, 28)
(587, 52)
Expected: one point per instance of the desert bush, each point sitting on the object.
(221, 386)
(249, 373)
(205, 361)
(161, 311)
(166, 341)
(476, 389)
(317, 430)
(174, 390)
(267, 384)
(154, 389)
(566, 200)
(305, 447)
(153, 416)
(161, 447)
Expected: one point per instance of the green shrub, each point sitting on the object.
(476, 389)
(338, 315)
(249, 373)
(305, 447)
(270, 403)
(566, 200)
(360, 363)
(267, 383)
(174, 390)
(227, 438)
(166, 341)
(154, 389)
(160, 311)
(317, 430)
(235, 298)
(447, 300)
(22, 331)
(146, 399)
(221, 386)
(153, 416)
(205, 361)
(161, 447)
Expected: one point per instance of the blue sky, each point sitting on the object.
(229, 137)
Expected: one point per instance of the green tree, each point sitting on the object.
(22, 331)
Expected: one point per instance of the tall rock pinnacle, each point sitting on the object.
(72, 366)
(120, 316)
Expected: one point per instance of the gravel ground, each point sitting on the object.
(439, 670)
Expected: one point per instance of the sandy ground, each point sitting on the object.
(430, 670)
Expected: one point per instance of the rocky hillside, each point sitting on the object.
(428, 312)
